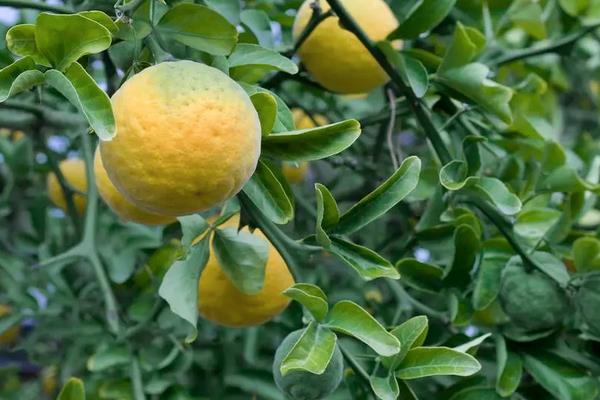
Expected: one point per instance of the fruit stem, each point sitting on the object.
(414, 102)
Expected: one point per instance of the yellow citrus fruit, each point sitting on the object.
(10, 335)
(188, 138)
(295, 172)
(334, 56)
(221, 302)
(119, 204)
(74, 172)
(49, 377)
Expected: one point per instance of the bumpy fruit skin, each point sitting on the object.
(119, 204)
(296, 172)
(188, 138)
(532, 300)
(588, 303)
(334, 56)
(74, 173)
(302, 385)
(221, 302)
(10, 335)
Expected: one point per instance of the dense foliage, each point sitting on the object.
(441, 229)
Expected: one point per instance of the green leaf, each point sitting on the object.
(509, 369)
(331, 212)
(351, 319)
(72, 390)
(560, 378)
(312, 352)
(243, 258)
(420, 276)
(311, 297)
(487, 284)
(466, 44)
(328, 214)
(259, 26)
(385, 387)
(454, 175)
(552, 266)
(574, 7)
(534, 223)
(471, 81)
(411, 70)
(192, 226)
(285, 120)
(230, 9)
(496, 192)
(266, 107)
(529, 16)
(312, 144)
(467, 246)
(198, 27)
(107, 358)
(382, 199)
(411, 333)
(421, 362)
(250, 63)
(471, 346)
(423, 18)
(268, 193)
(101, 18)
(365, 261)
(64, 39)
(83, 92)
(20, 40)
(586, 254)
(18, 77)
(179, 287)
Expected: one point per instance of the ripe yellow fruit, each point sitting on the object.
(295, 172)
(334, 56)
(10, 335)
(188, 138)
(74, 172)
(119, 204)
(221, 302)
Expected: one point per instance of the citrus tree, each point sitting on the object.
(286, 199)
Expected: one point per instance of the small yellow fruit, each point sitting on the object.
(221, 302)
(74, 172)
(303, 121)
(118, 203)
(334, 56)
(49, 380)
(188, 138)
(295, 172)
(10, 335)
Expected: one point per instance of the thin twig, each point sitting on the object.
(390, 128)
(549, 48)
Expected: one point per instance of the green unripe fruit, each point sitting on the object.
(532, 300)
(302, 385)
(588, 302)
